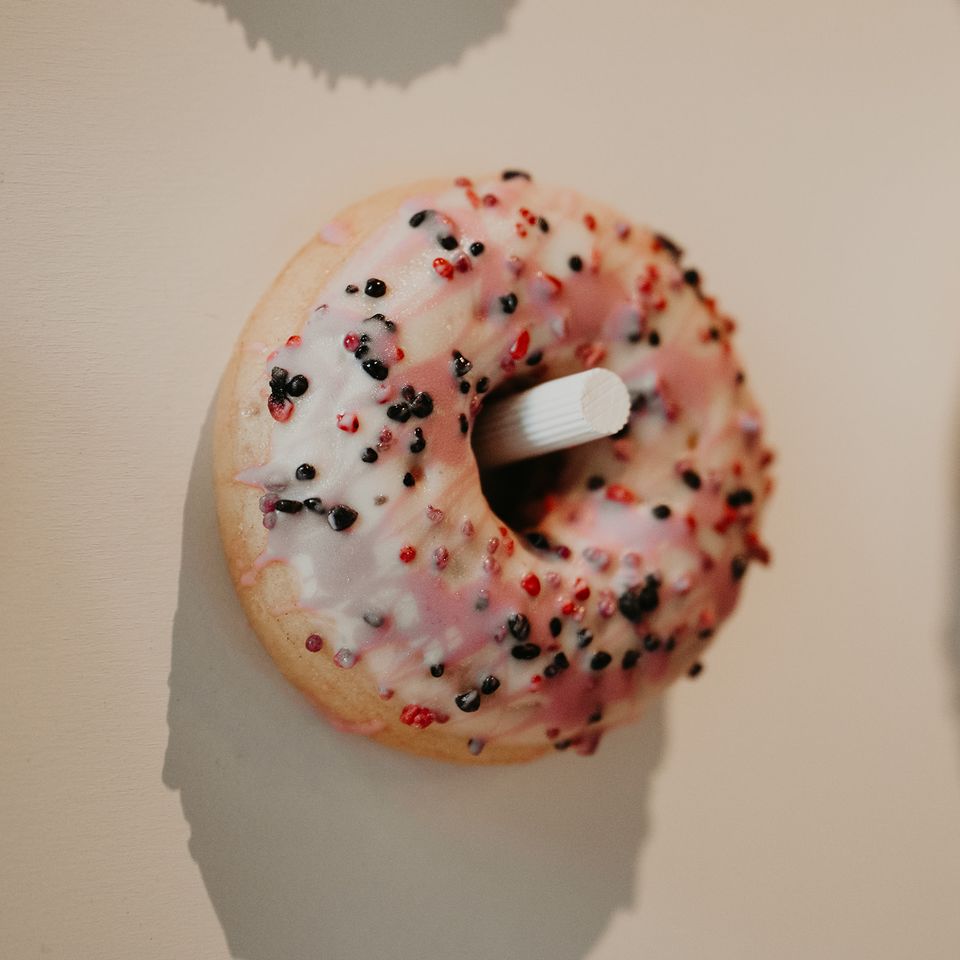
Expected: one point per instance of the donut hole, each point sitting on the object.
(518, 492)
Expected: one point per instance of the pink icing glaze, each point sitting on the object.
(643, 549)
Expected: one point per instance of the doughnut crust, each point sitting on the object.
(344, 678)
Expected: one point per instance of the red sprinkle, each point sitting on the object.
(463, 182)
(294, 341)
(581, 589)
(443, 267)
(489, 200)
(281, 409)
(441, 557)
(348, 422)
(351, 341)
(314, 642)
(590, 221)
(408, 554)
(531, 583)
(620, 494)
(413, 715)
(520, 346)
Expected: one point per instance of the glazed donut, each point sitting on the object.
(470, 615)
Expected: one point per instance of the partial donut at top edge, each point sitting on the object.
(458, 633)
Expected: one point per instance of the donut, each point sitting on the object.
(455, 612)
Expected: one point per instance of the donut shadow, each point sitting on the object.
(385, 40)
(314, 843)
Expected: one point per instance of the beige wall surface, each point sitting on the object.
(163, 794)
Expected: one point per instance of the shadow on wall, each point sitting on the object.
(313, 843)
(372, 39)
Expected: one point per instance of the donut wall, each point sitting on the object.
(747, 212)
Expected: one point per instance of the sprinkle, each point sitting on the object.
(422, 405)
(654, 339)
(535, 358)
(525, 651)
(483, 385)
(373, 619)
(436, 670)
(575, 263)
(489, 684)
(620, 494)
(444, 268)
(630, 659)
(695, 670)
(651, 642)
(740, 498)
(413, 715)
(509, 302)
(691, 478)
(476, 248)
(314, 505)
(468, 702)
(638, 601)
(418, 218)
(408, 479)
(518, 625)
(288, 506)
(513, 174)
(314, 642)
(461, 365)
(434, 514)
(584, 638)
(595, 717)
(352, 288)
(345, 658)
(376, 369)
(380, 318)
(297, 387)
(738, 565)
(305, 472)
(399, 412)
(341, 517)
(407, 554)
(600, 660)
(543, 225)
(663, 242)
(520, 346)
(369, 455)
(447, 241)
(661, 511)
(464, 386)
(560, 661)
(556, 625)
(441, 557)
(281, 409)
(464, 423)
(419, 443)
(475, 745)
(531, 583)
(563, 744)
(348, 422)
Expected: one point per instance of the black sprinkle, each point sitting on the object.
(669, 645)
(306, 472)
(562, 744)
(315, 504)
(695, 670)
(509, 302)
(464, 386)
(595, 482)
(550, 671)
(661, 511)
(556, 625)
(630, 659)
(518, 625)
(595, 717)
(369, 455)
(341, 517)
(297, 386)
(447, 241)
(740, 377)
(535, 358)
(436, 670)
(691, 478)
(538, 540)
(654, 339)
(575, 263)
(651, 642)
(738, 565)
(584, 638)
(418, 218)
(468, 702)
(543, 225)
(525, 651)
(375, 287)
(380, 318)
(279, 376)
(600, 660)
(399, 412)
(361, 351)
(560, 661)
(422, 405)
(464, 423)
(675, 251)
(461, 365)
(289, 506)
(408, 479)
(476, 248)
(513, 174)
(740, 498)
(483, 385)
(419, 442)
(638, 601)
(352, 288)
(490, 684)
(407, 391)
(376, 369)
(692, 277)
